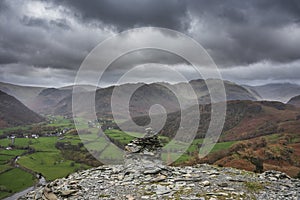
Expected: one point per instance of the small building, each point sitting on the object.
(35, 136)
(12, 139)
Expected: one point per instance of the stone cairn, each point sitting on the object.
(144, 154)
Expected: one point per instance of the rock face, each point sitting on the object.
(143, 176)
(199, 182)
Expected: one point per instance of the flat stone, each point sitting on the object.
(50, 196)
(152, 171)
(205, 183)
(162, 190)
(217, 194)
(159, 178)
(67, 192)
(223, 184)
(129, 197)
(73, 182)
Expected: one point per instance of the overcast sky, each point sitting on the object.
(252, 42)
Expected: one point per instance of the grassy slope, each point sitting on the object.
(15, 180)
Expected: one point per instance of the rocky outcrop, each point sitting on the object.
(199, 182)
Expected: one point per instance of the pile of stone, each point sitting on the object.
(144, 154)
(148, 146)
(201, 182)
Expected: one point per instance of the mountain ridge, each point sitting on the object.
(277, 91)
(295, 101)
(149, 94)
(15, 113)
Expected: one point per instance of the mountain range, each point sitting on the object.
(59, 100)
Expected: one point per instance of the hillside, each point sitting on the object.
(39, 99)
(244, 120)
(47, 99)
(277, 91)
(265, 135)
(233, 90)
(279, 152)
(25, 94)
(295, 101)
(14, 113)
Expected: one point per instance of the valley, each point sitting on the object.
(257, 135)
(57, 153)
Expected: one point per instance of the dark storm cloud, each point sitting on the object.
(34, 33)
(236, 32)
(57, 35)
(46, 24)
(132, 13)
(240, 32)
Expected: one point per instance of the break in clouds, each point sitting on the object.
(252, 42)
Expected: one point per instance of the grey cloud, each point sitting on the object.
(235, 33)
(43, 23)
(31, 21)
(132, 13)
(30, 75)
(128, 61)
(240, 33)
(44, 41)
(61, 23)
(264, 72)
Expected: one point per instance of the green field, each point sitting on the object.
(21, 128)
(222, 146)
(4, 168)
(45, 159)
(14, 180)
(15, 152)
(59, 121)
(4, 159)
(48, 160)
(39, 144)
(44, 144)
(119, 136)
(50, 164)
(73, 139)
